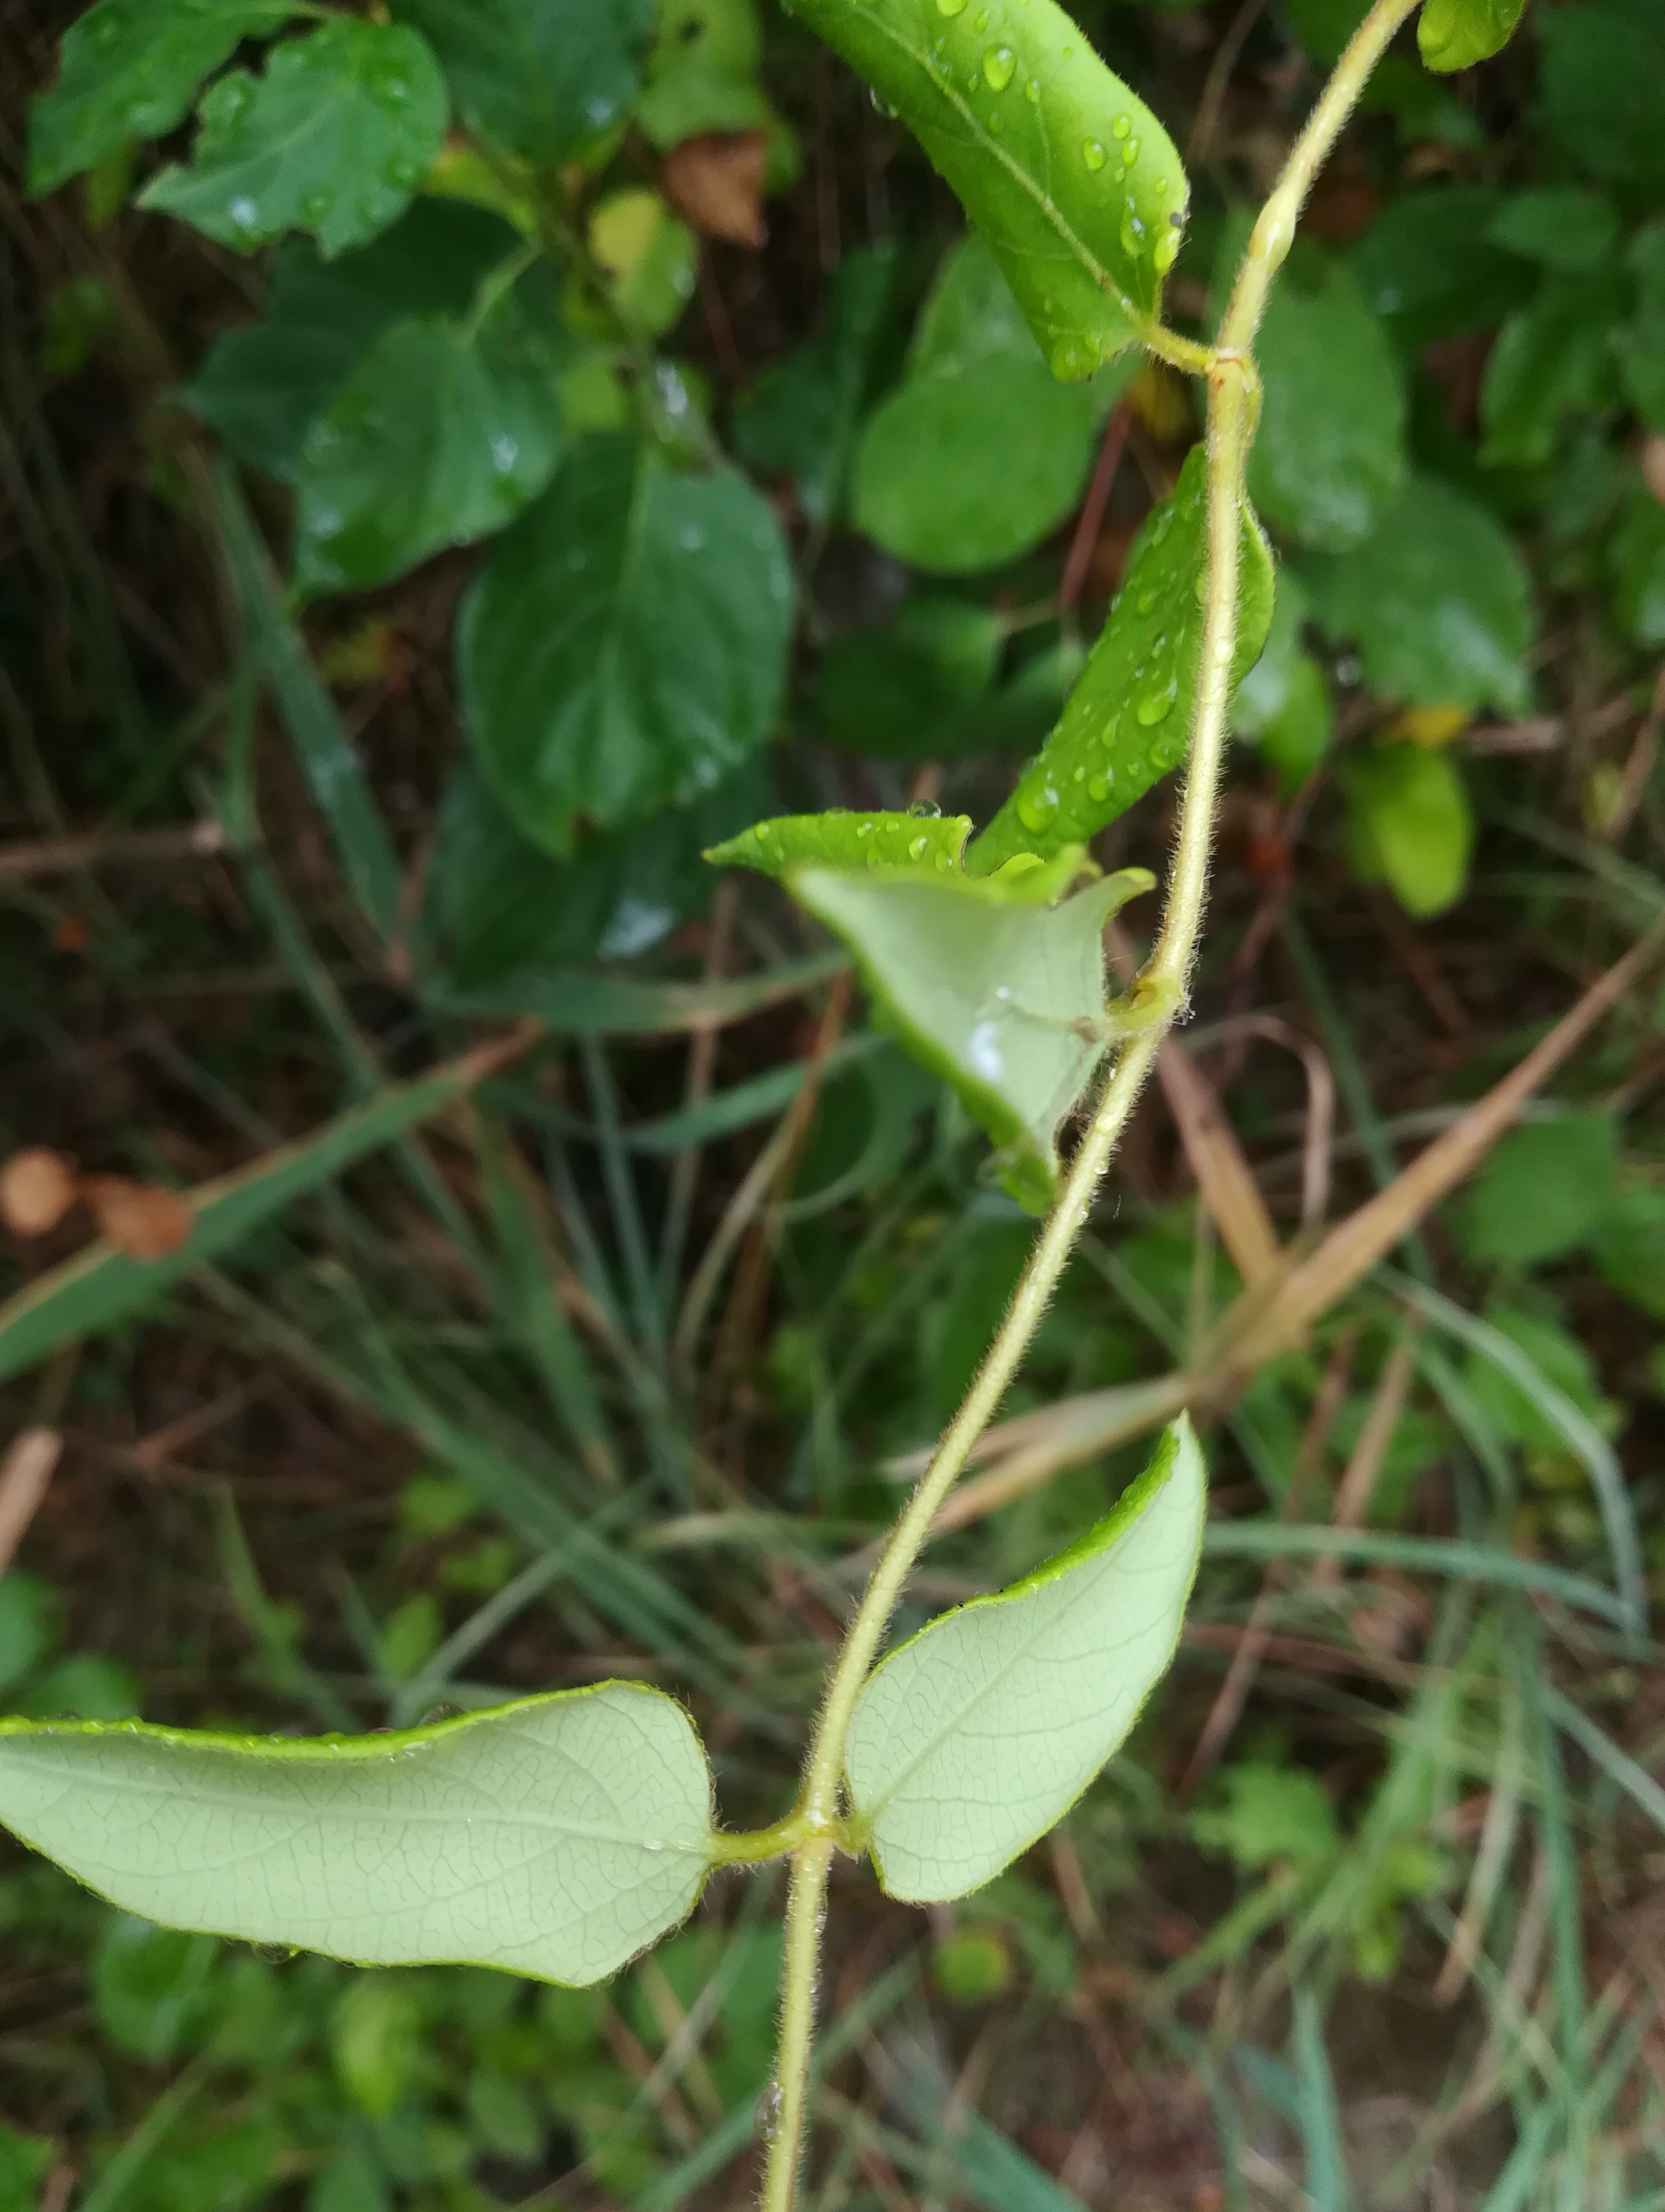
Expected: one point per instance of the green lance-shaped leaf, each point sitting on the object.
(556, 1836)
(1128, 722)
(1072, 179)
(976, 1737)
(931, 843)
(993, 982)
(129, 69)
(333, 139)
(1453, 34)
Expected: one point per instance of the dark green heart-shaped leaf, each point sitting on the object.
(1329, 454)
(928, 486)
(1455, 35)
(1428, 267)
(538, 77)
(624, 646)
(262, 386)
(997, 989)
(129, 69)
(1438, 600)
(1128, 722)
(442, 434)
(333, 139)
(1603, 89)
(1073, 182)
(1552, 358)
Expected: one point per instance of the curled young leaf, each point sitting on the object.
(1453, 34)
(556, 1836)
(976, 1738)
(1128, 721)
(995, 983)
(1074, 183)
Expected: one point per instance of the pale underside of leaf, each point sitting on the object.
(556, 1837)
(1001, 996)
(974, 1738)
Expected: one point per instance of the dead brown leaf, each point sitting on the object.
(716, 180)
(37, 1189)
(139, 1218)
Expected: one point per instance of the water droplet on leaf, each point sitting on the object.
(1093, 154)
(998, 63)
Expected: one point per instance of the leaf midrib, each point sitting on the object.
(991, 147)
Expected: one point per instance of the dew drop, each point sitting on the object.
(1099, 786)
(881, 106)
(998, 63)
(1166, 248)
(1032, 92)
(1145, 602)
(1130, 153)
(944, 865)
(1132, 233)
(317, 205)
(951, 7)
(105, 29)
(1154, 707)
(1036, 804)
(1121, 126)
(864, 828)
(1093, 154)
(244, 214)
(919, 848)
(505, 451)
(980, 20)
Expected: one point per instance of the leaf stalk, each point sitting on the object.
(1233, 410)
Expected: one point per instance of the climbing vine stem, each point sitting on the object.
(1233, 407)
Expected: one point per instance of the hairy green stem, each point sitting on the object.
(1233, 408)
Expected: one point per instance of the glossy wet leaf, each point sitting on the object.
(799, 418)
(930, 845)
(1128, 721)
(540, 77)
(443, 433)
(625, 647)
(997, 990)
(1438, 600)
(1410, 825)
(1430, 269)
(333, 139)
(648, 258)
(100, 1286)
(1329, 454)
(976, 1738)
(1075, 184)
(928, 486)
(262, 386)
(503, 907)
(1455, 35)
(129, 69)
(555, 1837)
